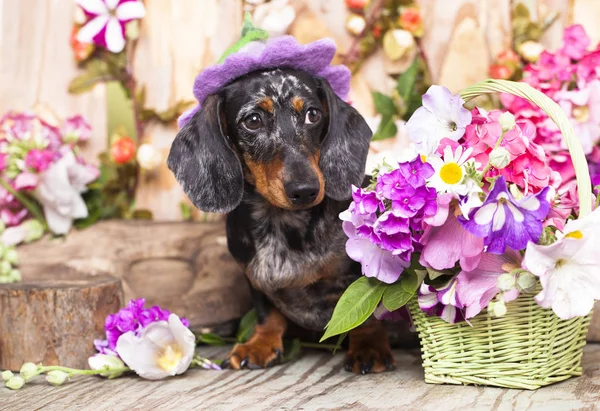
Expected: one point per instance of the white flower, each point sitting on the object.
(163, 349)
(275, 17)
(568, 269)
(111, 363)
(507, 121)
(148, 157)
(441, 116)
(530, 50)
(450, 174)
(59, 190)
(109, 16)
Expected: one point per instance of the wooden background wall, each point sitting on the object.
(179, 38)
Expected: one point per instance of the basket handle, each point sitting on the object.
(553, 110)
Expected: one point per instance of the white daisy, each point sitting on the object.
(450, 172)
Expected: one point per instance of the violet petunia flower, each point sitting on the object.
(504, 222)
(442, 302)
(441, 116)
(107, 20)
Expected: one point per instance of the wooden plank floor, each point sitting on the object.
(316, 381)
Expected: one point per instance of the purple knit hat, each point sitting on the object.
(280, 52)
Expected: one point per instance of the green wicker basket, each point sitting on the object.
(529, 347)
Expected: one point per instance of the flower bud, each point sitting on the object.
(28, 370)
(507, 121)
(57, 377)
(531, 50)
(108, 363)
(148, 157)
(497, 308)
(7, 375)
(398, 43)
(527, 282)
(499, 157)
(355, 24)
(11, 256)
(15, 276)
(35, 230)
(79, 16)
(5, 267)
(15, 383)
(506, 282)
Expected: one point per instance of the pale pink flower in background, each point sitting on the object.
(275, 16)
(76, 129)
(576, 42)
(107, 20)
(28, 230)
(568, 268)
(59, 191)
(25, 181)
(163, 349)
(583, 107)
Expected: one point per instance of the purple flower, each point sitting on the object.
(366, 201)
(442, 302)
(134, 317)
(416, 172)
(76, 129)
(503, 221)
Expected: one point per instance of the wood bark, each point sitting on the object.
(54, 317)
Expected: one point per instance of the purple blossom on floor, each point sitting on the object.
(504, 222)
(442, 302)
(134, 317)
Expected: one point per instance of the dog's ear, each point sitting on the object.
(203, 162)
(345, 147)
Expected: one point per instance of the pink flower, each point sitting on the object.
(576, 42)
(12, 217)
(25, 181)
(476, 288)
(40, 160)
(76, 129)
(448, 242)
(582, 105)
(107, 19)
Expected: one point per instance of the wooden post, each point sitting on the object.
(55, 318)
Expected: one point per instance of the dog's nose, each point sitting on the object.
(302, 193)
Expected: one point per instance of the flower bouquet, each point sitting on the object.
(469, 232)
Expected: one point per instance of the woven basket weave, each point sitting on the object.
(529, 347)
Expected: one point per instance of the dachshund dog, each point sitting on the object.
(278, 151)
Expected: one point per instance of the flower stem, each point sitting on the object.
(489, 164)
(27, 203)
(74, 371)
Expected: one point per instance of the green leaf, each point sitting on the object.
(96, 71)
(355, 306)
(168, 115)
(399, 294)
(384, 105)
(186, 211)
(338, 344)
(407, 80)
(387, 128)
(292, 349)
(246, 328)
(433, 274)
(210, 339)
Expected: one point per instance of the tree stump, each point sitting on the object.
(54, 318)
(182, 266)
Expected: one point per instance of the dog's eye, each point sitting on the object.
(313, 115)
(253, 121)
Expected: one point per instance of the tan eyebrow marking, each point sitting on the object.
(298, 104)
(266, 103)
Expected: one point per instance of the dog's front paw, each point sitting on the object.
(260, 353)
(369, 351)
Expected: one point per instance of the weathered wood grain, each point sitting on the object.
(183, 267)
(316, 381)
(54, 317)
